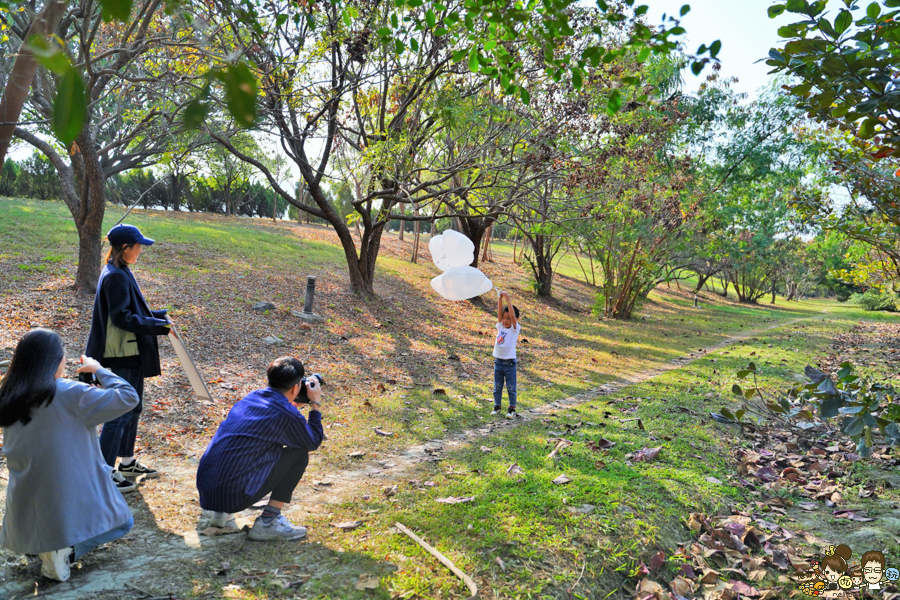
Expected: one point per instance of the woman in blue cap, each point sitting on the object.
(123, 338)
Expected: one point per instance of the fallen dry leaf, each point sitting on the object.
(601, 444)
(455, 499)
(514, 469)
(383, 433)
(849, 514)
(647, 454)
(366, 582)
(562, 480)
(348, 525)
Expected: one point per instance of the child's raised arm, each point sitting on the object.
(512, 311)
(500, 307)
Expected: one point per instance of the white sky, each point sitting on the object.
(746, 31)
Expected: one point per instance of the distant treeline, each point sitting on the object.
(35, 177)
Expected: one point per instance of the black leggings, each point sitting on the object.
(282, 480)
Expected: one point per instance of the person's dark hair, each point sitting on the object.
(838, 561)
(284, 373)
(114, 255)
(872, 556)
(31, 379)
(515, 310)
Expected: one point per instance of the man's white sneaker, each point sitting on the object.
(221, 520)
(122, 484)
(56, 564)
(278, 529)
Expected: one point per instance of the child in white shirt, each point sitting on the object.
(508, 329)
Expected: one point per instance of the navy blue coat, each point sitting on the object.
(119, 301)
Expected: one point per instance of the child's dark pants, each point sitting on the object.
(505, 369)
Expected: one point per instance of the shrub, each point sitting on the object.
(874, 299)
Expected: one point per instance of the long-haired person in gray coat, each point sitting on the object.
(60, 502)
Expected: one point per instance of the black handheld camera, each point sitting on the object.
(302, 398)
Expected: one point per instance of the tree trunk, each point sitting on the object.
(19, 83)
(724, 293)
(701, 279)
(93, 207)
(773, 294)
(402, 224)
(416, 228)
(486, 252)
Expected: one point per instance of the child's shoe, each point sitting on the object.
(511, 413)
(496, 411)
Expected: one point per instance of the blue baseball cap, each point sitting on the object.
(127, 234)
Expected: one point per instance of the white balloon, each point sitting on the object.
(452, 249)
(461, 283)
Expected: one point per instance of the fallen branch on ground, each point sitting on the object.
(444, 560)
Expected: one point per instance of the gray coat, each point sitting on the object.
(60, 489)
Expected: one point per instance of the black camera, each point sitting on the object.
(302, 398)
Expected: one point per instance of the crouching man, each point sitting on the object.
(263, 447)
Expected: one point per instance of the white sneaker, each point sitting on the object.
(278, 529)
(221, 520)
(496, 411)
(511, 413)
(122, 484)
(56, 564)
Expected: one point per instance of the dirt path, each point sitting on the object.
(153, 557)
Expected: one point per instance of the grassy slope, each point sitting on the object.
(210, 269)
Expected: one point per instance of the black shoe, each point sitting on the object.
(511, 413)
(122, 484)
(136, 469)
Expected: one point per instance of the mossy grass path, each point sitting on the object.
(419, 369)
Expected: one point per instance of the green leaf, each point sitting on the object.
(414, 44)
(68, 107)
(685, 10)
(752, 366)
(576, 78)
(281, 20)
(843, 21)
(51, 57)
(490, 45)
(240, 93)
(458, 55)
(829, 408)
(736, 389)
(473, 60)
(399, 47)
(430, 19)
(749, 393)
(643, 55)
(714, 48)
(351, 10)
(873, 10)
(852, 426)
(384, 32)
(118, 10)
(797, 6)
(614, 103)
(867, 129)
(775, 10)
(195, 113)
(526, 97)
(743, 374)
